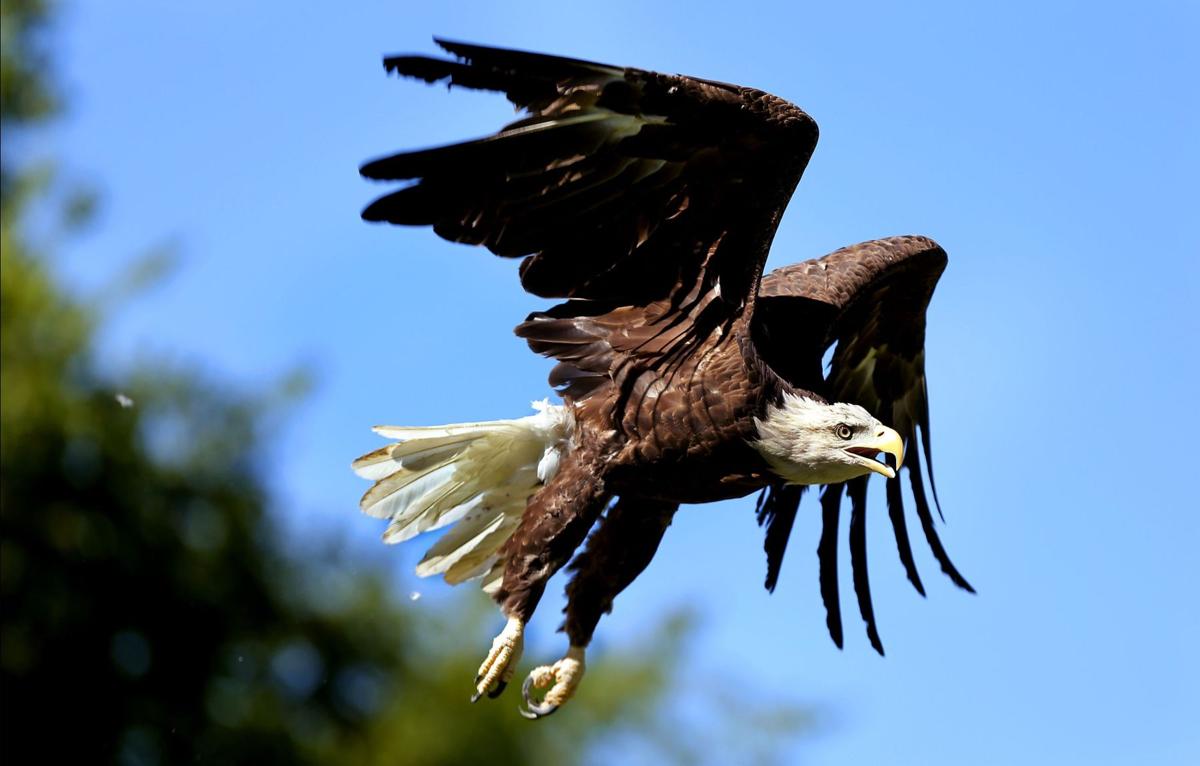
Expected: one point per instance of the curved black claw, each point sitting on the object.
(493, 694)
(533, 710)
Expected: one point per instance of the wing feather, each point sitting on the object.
(895, 504)
(639, 191)
(777, 507)
(931, 534)
(827, 554)
(856, 490)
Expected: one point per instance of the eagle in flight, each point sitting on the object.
(647, 203)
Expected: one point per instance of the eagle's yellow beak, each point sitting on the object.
(887, 440)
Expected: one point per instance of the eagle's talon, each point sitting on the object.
(501, 661)
(538, 679)
(560, 681)
(534, 711)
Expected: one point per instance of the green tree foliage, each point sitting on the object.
(149, 616)
(25, 92)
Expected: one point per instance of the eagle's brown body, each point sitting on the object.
(685, 436)
(648, 202)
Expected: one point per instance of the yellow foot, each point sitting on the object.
(497, 670)
(560, 681)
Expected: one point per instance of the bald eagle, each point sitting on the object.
(647, 203)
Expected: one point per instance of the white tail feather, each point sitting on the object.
(476, 476)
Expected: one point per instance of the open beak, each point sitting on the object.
(887, 440)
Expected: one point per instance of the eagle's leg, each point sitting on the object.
(617, 552)
(555, 522)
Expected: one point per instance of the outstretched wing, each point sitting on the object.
(870, 299)
(624, 187)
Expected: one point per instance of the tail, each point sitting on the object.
(476, 476)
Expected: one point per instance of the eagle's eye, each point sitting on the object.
(844, 431)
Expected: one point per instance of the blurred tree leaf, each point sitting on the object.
(26, 92)
(25, 89)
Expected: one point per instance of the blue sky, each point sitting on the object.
(1050, 148)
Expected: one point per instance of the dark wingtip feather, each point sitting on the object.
(831, 503)
(488, 73)
(421, 67)
(414, 205)
(895, 505)
(857, 491)
(371, 215)
(927, 446)
(455, 47)
(776, 509)
(931, 535)
(385, 168)
(377, 211)
(510, 57)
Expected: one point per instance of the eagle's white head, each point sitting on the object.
(806, 441)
